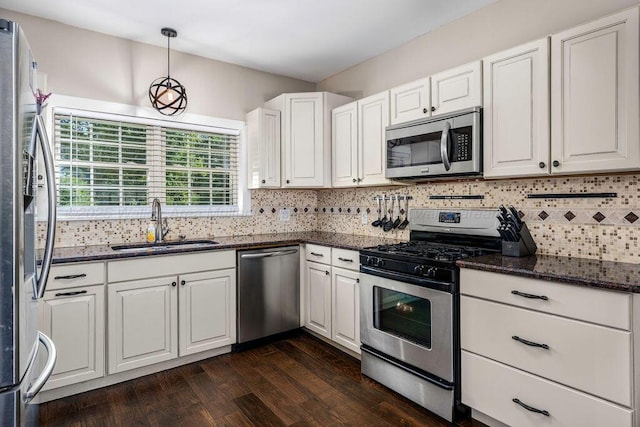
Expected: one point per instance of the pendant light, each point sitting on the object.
(167, 95)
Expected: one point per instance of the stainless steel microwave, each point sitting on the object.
(447, 145)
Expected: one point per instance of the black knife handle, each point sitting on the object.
(530, 343)
(531, 296)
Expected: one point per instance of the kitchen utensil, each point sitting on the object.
(404, 223)
(388, 225)
(377, 222)
(397, 221)
(384, 219)
(516, 216)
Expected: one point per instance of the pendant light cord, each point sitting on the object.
(168, 57)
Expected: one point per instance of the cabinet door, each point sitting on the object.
(207, 310)
(346, 308)
(74, 320)
(303, 140)
(411, 101)
(318, 279)
(373, 118)
(344, 137)
(594, 108)
(457, 88)
(263, 138)
(516, 111)
(143, 323)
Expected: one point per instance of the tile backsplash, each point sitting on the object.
(597, 228)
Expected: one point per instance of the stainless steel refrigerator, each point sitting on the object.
(24, 368)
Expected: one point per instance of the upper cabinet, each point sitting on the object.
(594, 103)
(411, 101)
(516, 111)
(306, 137)
(359, 144)
(263, 139)
(457, 88)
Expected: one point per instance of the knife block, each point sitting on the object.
(523, 247)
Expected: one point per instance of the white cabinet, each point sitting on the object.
(359, 145)
(306, 137)
(543, 344)
(263, 142)
(457, 88)
(74, 319)
(411, 101)
(206, 310)
(516, 111)
(188, 308)
(332, 297)
(594, 103)
(142, 320)
(318, 280)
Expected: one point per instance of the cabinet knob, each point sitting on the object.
(174, 284)
(433, 109)
(182, 282)
(556, 163)
(326, 273)
(425, 110)
(355, 180)
(264, 181)
(542, 165)
(288, 181)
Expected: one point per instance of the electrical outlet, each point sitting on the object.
(364, 218)
(285, 214)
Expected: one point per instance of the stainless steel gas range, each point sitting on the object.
(409, 299)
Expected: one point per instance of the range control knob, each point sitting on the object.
(419, 269)
(379, 262)
(431, 272)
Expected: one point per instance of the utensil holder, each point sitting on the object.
(525, 246)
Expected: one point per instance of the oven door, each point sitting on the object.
(411, 323)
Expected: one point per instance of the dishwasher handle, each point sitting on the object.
(269, 254)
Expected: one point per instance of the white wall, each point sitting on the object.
(92, 65)
(501, 25)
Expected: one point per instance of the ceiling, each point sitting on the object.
(305, 39)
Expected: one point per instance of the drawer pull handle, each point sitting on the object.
(68, 294)
(70, 276)
(345, 259)
(531, 343)
(531, 408)
(316, 254)
(531, 296)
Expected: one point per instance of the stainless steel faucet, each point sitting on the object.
(156, 215)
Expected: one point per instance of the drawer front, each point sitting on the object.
(575, 354)
(74, 275)
(156, 266)
(599, 306)
(344, 258)
(490, 387)
(317, 253)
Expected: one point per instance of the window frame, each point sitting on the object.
(93, 109)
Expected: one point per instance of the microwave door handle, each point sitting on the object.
(47, 258)
(444, 145)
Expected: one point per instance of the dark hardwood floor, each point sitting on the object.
(298, 381)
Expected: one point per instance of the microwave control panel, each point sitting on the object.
(463, 147)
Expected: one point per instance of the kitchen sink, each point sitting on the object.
(160, 246)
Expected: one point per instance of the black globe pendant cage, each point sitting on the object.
(167, 95)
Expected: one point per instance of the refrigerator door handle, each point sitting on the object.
(47, 258)
(46, 371)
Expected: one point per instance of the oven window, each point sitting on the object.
(403, 315)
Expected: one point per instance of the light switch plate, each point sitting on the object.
(285, 214)
(364, 218)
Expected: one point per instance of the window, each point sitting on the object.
(116, 166)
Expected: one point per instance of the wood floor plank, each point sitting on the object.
(256, 411)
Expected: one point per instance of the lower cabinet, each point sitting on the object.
(332, 295)
(74, 319)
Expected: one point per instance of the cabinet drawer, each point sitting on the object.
(317, 253)
(345, 259)
(73, 275)
(593, 305)
(575, 354)
(490, 387)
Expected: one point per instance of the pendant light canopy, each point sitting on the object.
(167, 95)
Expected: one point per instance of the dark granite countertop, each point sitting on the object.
(617, 276)
(336, 240)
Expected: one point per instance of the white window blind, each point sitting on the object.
(117, 167)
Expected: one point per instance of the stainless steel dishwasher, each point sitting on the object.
(268, 292)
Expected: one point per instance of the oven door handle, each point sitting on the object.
(413, 280)
(444, 145)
